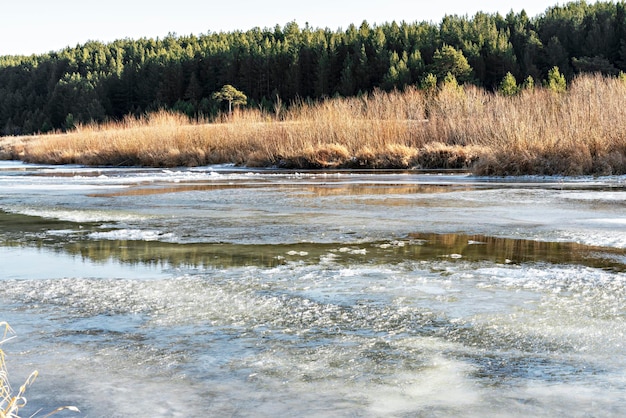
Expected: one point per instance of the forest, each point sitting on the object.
(98, 82)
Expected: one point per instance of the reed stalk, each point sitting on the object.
(581, 131)
(12, 402)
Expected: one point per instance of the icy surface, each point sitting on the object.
(221, 291)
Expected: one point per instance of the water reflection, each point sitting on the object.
(277, 293)
(323, 189)
(506, 250)
(74, 239)
(153, 190)
(15, 227)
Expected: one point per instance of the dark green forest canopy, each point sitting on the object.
(98, 82)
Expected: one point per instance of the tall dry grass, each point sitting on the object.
(540, 132)
(12, 402)
(582, 131)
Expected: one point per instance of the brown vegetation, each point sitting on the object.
(582, 131)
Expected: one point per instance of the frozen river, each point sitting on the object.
(220, 291)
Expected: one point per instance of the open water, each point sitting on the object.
(219, 291)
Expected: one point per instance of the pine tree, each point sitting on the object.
(508, 85)
(529, 83)
(232, 96)
(429, 82)
(446, 60)
(556, 81)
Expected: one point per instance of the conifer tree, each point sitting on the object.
(529, 83)
(508, 85)
(231, 95)
(96, 81)
(429, 82)
(556, 81)
(446, 60)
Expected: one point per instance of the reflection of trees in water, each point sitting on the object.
(177, 255)
(501, 250)
(418, 247)
(21, 230)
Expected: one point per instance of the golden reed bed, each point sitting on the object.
(581, 131)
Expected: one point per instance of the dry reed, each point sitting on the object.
(582, 131)
(11, 402)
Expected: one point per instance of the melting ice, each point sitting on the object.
(223, 291)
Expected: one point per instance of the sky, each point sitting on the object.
(40, 26)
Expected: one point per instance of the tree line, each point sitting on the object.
(95, 82)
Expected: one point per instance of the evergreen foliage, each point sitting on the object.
(508, 86)
(556, 81)
(529, 83)
(448, 60)
(99, 82)
(231, 95)
(429, 82)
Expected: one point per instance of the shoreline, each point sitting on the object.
(538, 132)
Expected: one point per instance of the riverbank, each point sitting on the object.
(582, 131)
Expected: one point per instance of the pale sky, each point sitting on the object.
(39, 26)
